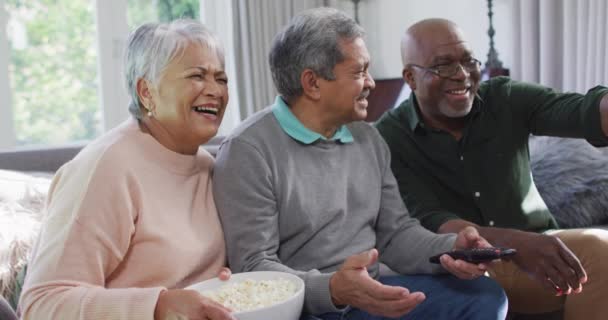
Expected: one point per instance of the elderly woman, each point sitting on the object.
(131, 220)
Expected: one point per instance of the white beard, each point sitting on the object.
(453, 113)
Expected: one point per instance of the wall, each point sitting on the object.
(386, 20)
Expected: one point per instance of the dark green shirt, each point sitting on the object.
(485, 177)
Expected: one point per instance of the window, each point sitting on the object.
(61, 65)
(141, 11)
(52, 69)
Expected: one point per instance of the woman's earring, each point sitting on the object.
(150, 114)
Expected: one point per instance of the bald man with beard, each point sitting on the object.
(459, 151)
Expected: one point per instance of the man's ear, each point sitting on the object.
(408, 77)
(310, 84)
(144, 94)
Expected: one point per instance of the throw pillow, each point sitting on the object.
(572, 177)
(22, 199)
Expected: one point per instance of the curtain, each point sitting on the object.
(562, 44)
(255, 25)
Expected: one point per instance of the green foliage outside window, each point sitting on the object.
(53, 64)
(53, 71)
(142, 11)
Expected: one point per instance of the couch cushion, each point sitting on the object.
(572, 177)
(22, 199)
(47, 159)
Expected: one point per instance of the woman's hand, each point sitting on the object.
(178, 304)
(224, 274)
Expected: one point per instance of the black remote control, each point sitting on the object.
(476, 255)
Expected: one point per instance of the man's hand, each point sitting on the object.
(467, 238)
(352, 285)
(189, 304)
(547, 259)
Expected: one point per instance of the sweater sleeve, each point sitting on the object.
(404, 244)
(91, 214)
(247, 205)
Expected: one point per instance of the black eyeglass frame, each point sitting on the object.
(454, 68)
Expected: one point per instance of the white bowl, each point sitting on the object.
(289, 309)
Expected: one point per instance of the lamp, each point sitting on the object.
(356, 9)
(493, 66)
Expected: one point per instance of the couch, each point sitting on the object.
(25, 176)
(570, 175)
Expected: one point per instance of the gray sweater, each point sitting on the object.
(304, 208)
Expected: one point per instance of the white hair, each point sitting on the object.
(153, 46)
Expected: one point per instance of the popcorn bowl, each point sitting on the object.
(270, 283)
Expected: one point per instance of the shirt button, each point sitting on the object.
(477, 194)
(491, 223)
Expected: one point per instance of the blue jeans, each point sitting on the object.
(447, 297)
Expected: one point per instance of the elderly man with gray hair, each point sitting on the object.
(305, 187)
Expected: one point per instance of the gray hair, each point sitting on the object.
(153, 46)
(310, 41)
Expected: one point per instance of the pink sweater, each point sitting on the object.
(126, 219)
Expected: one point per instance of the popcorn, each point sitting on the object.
(252, 294)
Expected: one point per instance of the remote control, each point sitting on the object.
(476, 255)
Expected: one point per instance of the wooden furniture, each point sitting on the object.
(383, 97)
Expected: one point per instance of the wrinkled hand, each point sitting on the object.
(188, 304)
(467, 238)
(352, 285)
(547, 259)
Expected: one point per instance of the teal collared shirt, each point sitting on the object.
(295, 129)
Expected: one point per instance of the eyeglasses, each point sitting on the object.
(449, 70)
